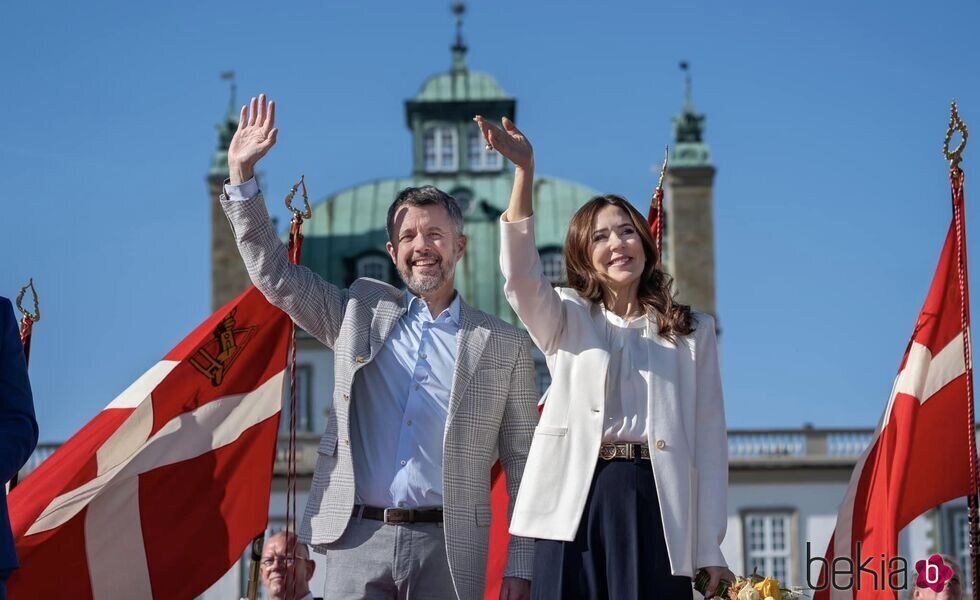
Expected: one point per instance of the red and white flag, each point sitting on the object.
(158, 495)
(922, 453)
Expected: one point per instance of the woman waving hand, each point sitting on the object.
(625, 484)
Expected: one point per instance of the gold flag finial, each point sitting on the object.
(955, 124)
(663, 170)
(32, 316)
(307, 212)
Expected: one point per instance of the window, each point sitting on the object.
(439, 148)
(478, 157)
(553, 265)
(374, 266)
(304, 401)
(768, 544)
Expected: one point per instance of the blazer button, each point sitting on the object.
(360, 359)
(661, 444)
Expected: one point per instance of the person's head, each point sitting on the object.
(609, 252)
(275, 564)
(425, 239)
(952, 590)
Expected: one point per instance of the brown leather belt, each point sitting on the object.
(398, 516)
(612, 451)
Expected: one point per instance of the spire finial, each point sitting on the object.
(688, 98)
(232, 107)
(459, 48)
(226, 131)
(689, 149)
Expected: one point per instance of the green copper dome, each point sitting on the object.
(460, 86)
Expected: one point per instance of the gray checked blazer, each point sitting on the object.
(492, 408)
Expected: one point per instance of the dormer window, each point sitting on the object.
(464, 198)
(478, 157)
(374, 266)
(439, 143)
(553, 265)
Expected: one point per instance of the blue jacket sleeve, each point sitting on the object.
(18, 426)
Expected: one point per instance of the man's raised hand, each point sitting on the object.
(256, 134)
(509, 142)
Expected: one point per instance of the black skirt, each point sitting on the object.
(619, 551)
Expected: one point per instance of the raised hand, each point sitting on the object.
(509, 142)
(256, 134)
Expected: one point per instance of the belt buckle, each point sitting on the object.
(607, 451)
(396, 516)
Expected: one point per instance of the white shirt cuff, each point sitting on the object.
(243, 191)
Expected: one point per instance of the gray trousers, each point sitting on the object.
(375, 561)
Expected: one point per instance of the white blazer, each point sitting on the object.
(686, 416)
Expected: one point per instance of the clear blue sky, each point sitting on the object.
(825, 121)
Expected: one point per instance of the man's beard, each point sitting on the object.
(424, 284)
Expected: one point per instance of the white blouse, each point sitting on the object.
(628, 378)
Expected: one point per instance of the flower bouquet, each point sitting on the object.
(753, 587)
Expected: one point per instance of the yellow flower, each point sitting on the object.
(769, 588)
(749, 593)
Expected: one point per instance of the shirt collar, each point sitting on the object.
(415, 305)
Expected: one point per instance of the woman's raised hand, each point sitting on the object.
(509, 141)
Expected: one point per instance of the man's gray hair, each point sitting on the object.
(425, 196)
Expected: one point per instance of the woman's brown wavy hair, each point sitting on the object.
(654, 291)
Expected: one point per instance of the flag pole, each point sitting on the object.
(26, 333)
(956, 179)
(295, 251)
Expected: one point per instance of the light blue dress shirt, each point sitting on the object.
(400, 403)
(399, 407)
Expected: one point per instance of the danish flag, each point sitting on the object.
(159, 494)
(923, 452)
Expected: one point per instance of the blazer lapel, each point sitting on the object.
(471, 341)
